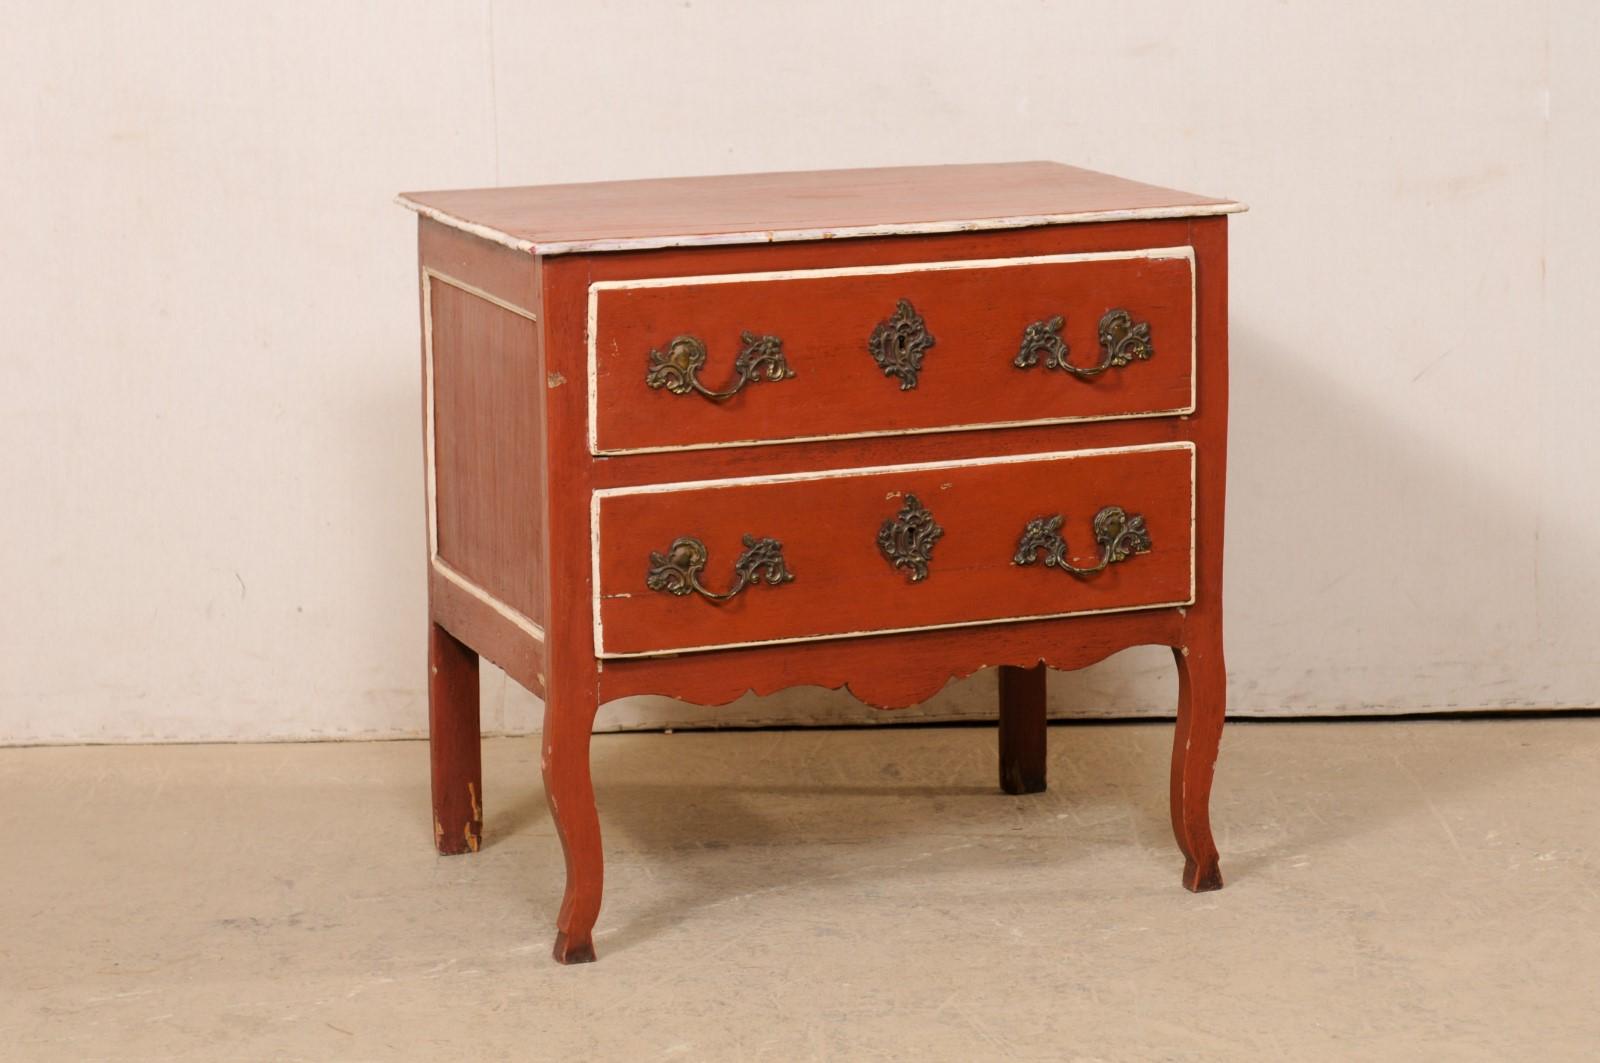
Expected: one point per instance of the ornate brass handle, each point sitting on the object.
(678, 368)
(1119, 534)
(1121, 341)
(678, 571)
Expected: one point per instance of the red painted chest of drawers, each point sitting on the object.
(873, 428)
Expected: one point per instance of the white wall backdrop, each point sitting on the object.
(210, 473)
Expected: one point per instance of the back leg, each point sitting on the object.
(1024, 729)
(453, 743)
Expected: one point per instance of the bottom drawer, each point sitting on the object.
(719, 563)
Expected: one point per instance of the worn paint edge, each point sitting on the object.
(430, 485)
(483, 232)
(894, 432)
(1185, 252)
(680, 650)
(487, 297)
(520, 619)
(833, 474)
(783, 236)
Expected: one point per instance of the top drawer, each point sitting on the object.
(756, 358)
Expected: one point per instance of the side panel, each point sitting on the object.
(487, 437)
(483, 442)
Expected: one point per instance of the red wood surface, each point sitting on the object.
(883, 670)
(871, 450)
(487, 431)
(499, 271)
(1202, 675)
(891, 671)
(498, 640)
(842, 582)
(757, 207)
(454, 747)
(1202, 701)
(977, 317)
(453, 743)
(572, 675)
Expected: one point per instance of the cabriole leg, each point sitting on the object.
(569, 789)
(1202, 702)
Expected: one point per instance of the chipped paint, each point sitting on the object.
(651, 241)
(443, 568)
(555, 380)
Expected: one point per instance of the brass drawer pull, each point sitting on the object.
(678, 572)
(1122, 340)
(678, 368)
(1119, 535)
(898, 343)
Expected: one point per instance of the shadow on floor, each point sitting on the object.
(721, 815)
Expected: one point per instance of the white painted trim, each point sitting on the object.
(434, 274)
(483, 232)
(522, 620)
(864, 470)
(892, 432)
(429, 412)
(782, 236)
(836, 474)
(429, 275)
(1184, 252)
(894, 630)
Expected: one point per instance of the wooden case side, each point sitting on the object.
(483, 434)
(1208, 425)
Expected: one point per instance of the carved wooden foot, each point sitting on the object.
(1024, 730)
(570, 951)
(453, 743)
(1202, 702)
(568, 721)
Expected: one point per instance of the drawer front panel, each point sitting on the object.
(798, 354)
(830, 555)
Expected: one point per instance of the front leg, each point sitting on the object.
(569, 712)
(1202, 703)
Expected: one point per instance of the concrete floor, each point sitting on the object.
(1397, 891)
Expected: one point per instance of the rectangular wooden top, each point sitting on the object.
(813, 205)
